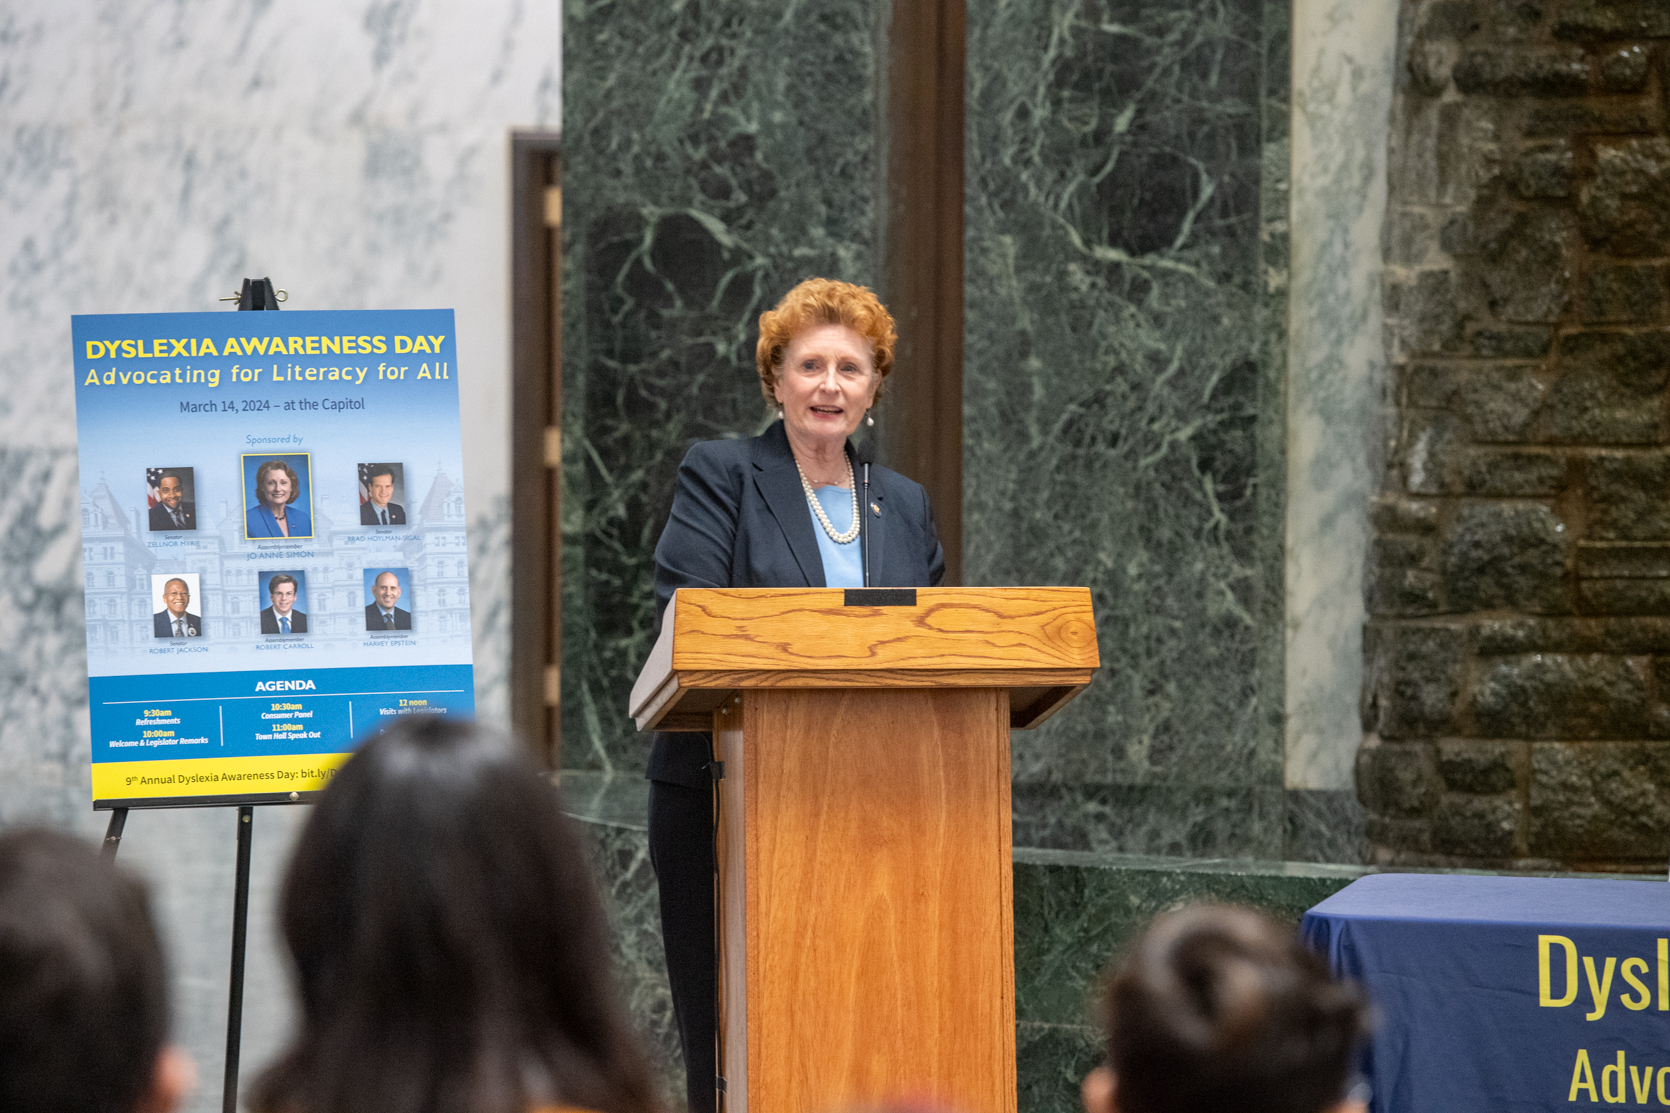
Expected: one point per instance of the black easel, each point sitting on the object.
(240, 937)
(257, 293)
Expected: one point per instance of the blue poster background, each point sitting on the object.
(205, 390)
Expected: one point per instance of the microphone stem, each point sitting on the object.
(864, 508)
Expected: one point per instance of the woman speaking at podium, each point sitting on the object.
(783, 509)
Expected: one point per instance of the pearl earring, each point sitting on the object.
(868, 420)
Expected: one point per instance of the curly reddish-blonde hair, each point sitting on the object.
(824, 301)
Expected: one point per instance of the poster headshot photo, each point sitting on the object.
(283, 601)
(175, 610)
(382, 494)
(171, 499)
(388, 594)
(278, 495)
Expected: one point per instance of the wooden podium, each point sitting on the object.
(867, 932)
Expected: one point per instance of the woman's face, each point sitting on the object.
(275, 489)
(827, 381)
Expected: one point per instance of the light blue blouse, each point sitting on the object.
(843, 565)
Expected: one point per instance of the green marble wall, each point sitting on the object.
(1126, 255)
(612, 813)
(1076, 911)
(714, 154)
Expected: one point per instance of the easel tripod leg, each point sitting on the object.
(240, 933)
(113, 833)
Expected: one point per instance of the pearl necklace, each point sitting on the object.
(817, 507)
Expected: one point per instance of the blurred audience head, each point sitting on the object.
(1221, 1008)
(83, 986)
(449, 944)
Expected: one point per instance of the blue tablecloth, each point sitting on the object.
(1507, 993)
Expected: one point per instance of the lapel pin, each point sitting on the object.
(877, 508)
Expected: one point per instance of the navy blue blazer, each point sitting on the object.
(740, 519)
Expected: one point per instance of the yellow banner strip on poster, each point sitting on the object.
(214, 776)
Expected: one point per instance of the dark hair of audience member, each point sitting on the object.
(1220, 1008)
(83, 985)
(449, 943)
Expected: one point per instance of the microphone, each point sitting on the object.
(865, 455)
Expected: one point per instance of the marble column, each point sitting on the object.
(1343, 54)
(713, 157)
(1125, 348)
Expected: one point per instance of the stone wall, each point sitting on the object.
(1519, 578)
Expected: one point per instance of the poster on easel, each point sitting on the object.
(273, 528)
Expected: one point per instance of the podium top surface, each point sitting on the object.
(1036, 641)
